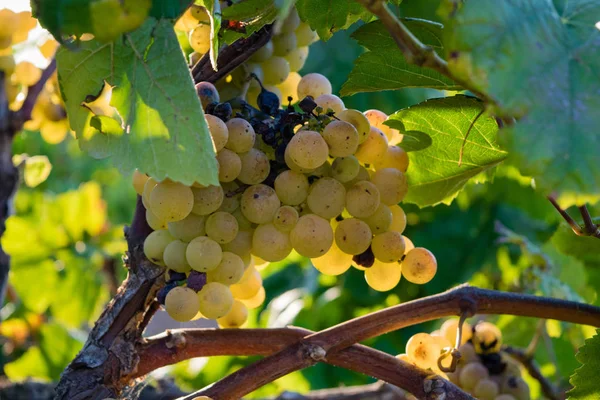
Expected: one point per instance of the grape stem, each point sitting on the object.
(589, 227)
(344, 335)
(548, 389)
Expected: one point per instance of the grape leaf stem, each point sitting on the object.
(589, 227)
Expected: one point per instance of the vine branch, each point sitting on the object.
(589, 227)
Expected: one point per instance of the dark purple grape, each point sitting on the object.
(207, 93)
(268, 102)
(365, 259)
(175, 276)
(223, 111)
(161, 295)
(196, 280)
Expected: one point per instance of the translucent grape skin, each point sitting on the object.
(344, 169)
(174, 256)
(341, 137)
(188, 228)
(248, 286)
(383, 276)
(313, 85)
(388, 246)
(423, 350)
(398, 219)
(260, 203)
(215, 300)
(326, 197)
(312, 236)
(182, 304)
(222, 227)
(276, 70)
(154, 222)
(334, 262)
(229, 271)
(297, 58)
(218, 131)
(395, 157)
(171, 201)
(254, 167)
(358, 120)
(256, 300)
(285, 218)
(270, 243)
(207, 200)
(155, 244)
(448, 330)
(381, 220)
(308, 149)
(486, 389)
(471, 374)
(236, 317)
(241, 135)
(353, 236)
(373, 148)
(330, 102)
(392, 185)
(291, 187)
(139, 180)
(203, 254)
(230, 165)
(199, 38)
(362, 199)
(419, 266)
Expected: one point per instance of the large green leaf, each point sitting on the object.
(434, 173)
(538, 60)
(329, 16)
(384, 67)
(253, 13)
(164, 130)
(584, 378)
(213, 8)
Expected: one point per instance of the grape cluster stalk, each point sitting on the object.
(311, 177)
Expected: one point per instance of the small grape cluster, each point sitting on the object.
(483, 369)
(48, 114)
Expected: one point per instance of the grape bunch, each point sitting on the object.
(483, 369)
(48, 115)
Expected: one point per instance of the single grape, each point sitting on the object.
(373, 148)
(263, 54)
(377, 118)
(232, 196)
(330, 102)
(215, 300)
(358, 120)
(305, 35)
(448, 330)
(381, 220)
(408, 244)
(398, 219)
(243, 222)
(203, 254)
(395, 157)
(324, 170)
(353, 236)
(313, 85)
(248, 286)
(155, 244)
(186, 22)
(486, 389)
(199, 38)
(487, 338)
(284, 43)
(207, 200)
(291, 187)
(139, 180)
(241, 135)
(260, 203)
(196, 280)
(312, 236)
(423, 350)
(230, 165)
(27, 74)
(291, 22)
(241, 245)
(174, 276)
(154, 222)
(362, 175)
(289, 88)
(467, 352)
(174, 256)
(218, 131)
(292, 165)
(297, 58)
(54, 132)
(419, 266)
(388, 246)
(222, 227)
(255, 167)
(236, 317)
(392, 185)
(188, 228)
(181, 304)
(148, 188)
(344, 169)
(270, 244)
(362, 199)
(308, 149)
(256, 300)
(229, 271)
(383, 276)
(171, 201)
(334, 262)
(471, 374)
(285, 218)
(207, 93)
(341, 138)
(326, 197)
(276, 70)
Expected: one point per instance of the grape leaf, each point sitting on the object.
(329, 16)
(434, 174)
(168, 8)
(538, 60)
(384, 67)
(253, 13)
(585, 386)
(213, 8)
(164, 130)
(585, 248)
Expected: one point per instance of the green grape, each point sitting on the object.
(362, 199)
(270, 244)
(218, 131)
(284, 43)
(241, 135)
(199, 38)
(248, 286)
(358, 120)
(297, 58)
(373, 148)
(395, 157)
(263, 54)
(257, 300)
(148, 188)
(139, 180)
(188, 228)
(174, 256)
(260, 203)
(203, 254)
(236, 317)
(313, 85)
(304, 35)
(324, 170)
(312, 236)
(467, 351)
(243, 223)
(423, 350)
(276, 70)
(285, 218)
(377, 118)
(221, 227)
(363, 175)
(291, 187)
(344, 169)
(419, 266)
(341, 137)
(471, 374)
(54, 132)
(330, 102)
(448, 330)
(187, 21)
(353, 236)
(241, 245)
(231, 196)
(155, 244)
(383, 276)
(182, 304)
(295, 167)
(255, 167)
(307, 149)
(487, 338)
(392, 185)
(291, 22)
(230, 165)
(171, 201)
(289, 88)
(229, 271)
(207, 200)
(486, 389)
(408, 244)
(215, 300)
(154, 222)
(334, 262)
(388, 246)
(326, 197)
(381, 220)
(398, 219)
